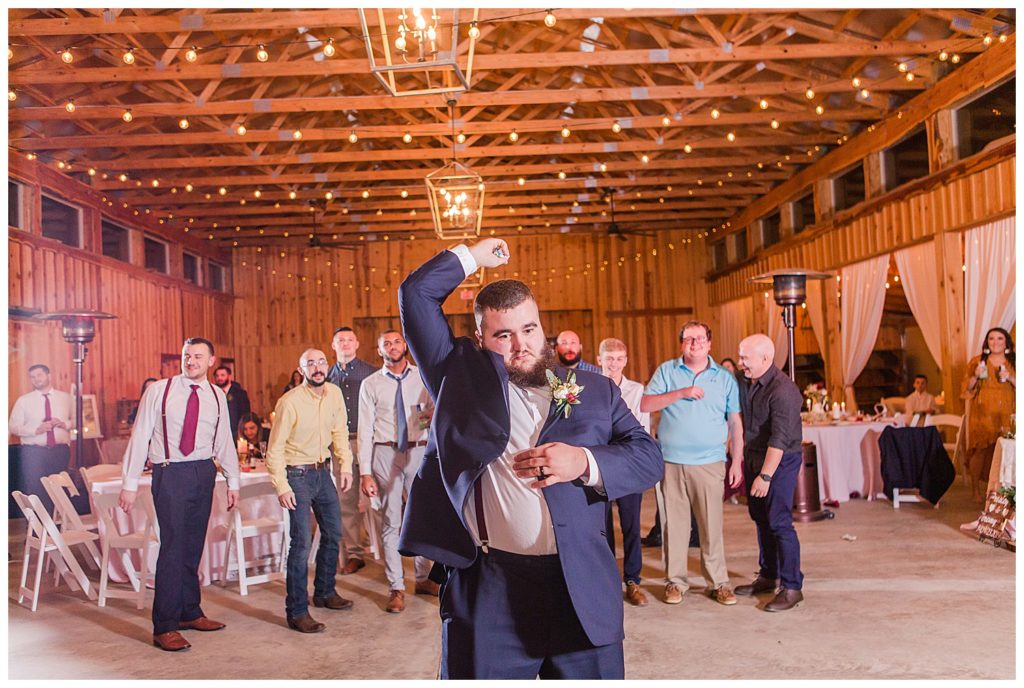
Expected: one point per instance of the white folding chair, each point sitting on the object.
(240, 529)
(137, 538)
(894, 405)
(66, 516)
(64, 481)
(43, 536)
(99, 473)
(948, 420)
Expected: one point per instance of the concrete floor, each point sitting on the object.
(912, 597)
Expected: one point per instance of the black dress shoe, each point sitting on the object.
(305, 624)
(786, 599)
(651, 541)
(760, 584)
(335, 601)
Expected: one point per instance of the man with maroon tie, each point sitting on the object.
(182, 426)
(41, 419)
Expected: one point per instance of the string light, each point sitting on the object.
(129, 56)
(521, 181)
(856, 82)
(366, 193)
(10, 53)
(405, 193)
(122, 177)
(730, 136)
(329, 49)
(292, 195)
(864, 93)
(902, 66)
(474, 31)
(550, 20)
(616, 127)
(192, 54)
(1002, 38)
(70, 105)
(775, 124)
(763, 104)
(565, 132)
(328, 196)
(665, 121)
(461, 138)
(604, 167)
(189, 188)
(11, 95)
(297, 134)
(127, 115)
(66, 56)
(943, 56)
(183, 123)
(644, 159)
(955, 59)
(241, 130)
(352, 137)
(407, 137)
(513, 136)
(222, 191)
(561, 174)
(155, 183)
(910, 76)
(820, 109)
(715, 114)
(257, 193)
(688, 148)
(809, 93)
(31, 156)
(92, 171)
(261, 53)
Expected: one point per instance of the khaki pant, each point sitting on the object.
(698, 488)
(352, 530)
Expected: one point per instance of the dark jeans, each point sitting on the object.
(314, 491)
(183, 496)
(773, 516)
(510, 616)
(629, 520)
(37, 462)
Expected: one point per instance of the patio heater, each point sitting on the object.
(78, 329)
(789, 288)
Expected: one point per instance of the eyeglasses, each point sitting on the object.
(687, 341)
(311, 364)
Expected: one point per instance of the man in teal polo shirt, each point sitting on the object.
(700, 413)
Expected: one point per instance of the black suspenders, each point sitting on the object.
(163, 419)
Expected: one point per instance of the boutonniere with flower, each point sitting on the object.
(566, 393)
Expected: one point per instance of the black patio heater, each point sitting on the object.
(789, 288)
(79, 328)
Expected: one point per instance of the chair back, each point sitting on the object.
(45, 522)
(894, 405)
(944, 420)
(65, 481)
(35, 526)
(107, 502)
(64, 513)
(256, 490)
(98, 473)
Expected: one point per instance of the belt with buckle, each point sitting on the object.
(394, 445)
(302, 468)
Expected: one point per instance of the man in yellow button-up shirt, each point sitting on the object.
(309, 421)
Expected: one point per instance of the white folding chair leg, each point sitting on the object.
(104, 575)
(243, 583)
(72, 571)
(140, 601)
(227, 552)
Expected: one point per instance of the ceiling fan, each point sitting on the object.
(316, 240)
(615, 229)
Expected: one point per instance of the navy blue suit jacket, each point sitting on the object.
(470, 429)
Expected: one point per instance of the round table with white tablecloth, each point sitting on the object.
(216, 535)
(848, 458)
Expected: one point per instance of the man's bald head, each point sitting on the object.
(757, 354)
(568, 348)
(313, 366)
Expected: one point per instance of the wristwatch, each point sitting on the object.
(766, 477)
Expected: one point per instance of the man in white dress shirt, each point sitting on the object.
(41, 419)
(612, 356)
(920, 402)
(182, 426)
(394, 415)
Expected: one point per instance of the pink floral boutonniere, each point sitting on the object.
(566, 393)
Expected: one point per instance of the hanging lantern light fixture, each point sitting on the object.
(456, 195)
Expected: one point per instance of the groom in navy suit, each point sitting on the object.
(510, 499)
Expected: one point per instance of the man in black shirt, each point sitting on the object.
(349, 373)
(772, 454)
(238, 398)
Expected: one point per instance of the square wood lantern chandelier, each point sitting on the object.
(456, 195)
(414, 51)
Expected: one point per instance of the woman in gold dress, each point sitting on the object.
(990, 386)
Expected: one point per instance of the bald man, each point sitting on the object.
(570, 352)
(772, 454)
(310, 421)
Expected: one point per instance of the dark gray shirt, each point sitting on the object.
(349, 377)
(771, 408)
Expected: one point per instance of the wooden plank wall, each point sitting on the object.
(643, 302)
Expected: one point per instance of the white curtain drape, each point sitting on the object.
(862, 300)
(735, 320)
(919, 273)
(816, 312)
(777, 332)
(990, 285)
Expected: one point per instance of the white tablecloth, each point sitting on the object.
(848, 459)
(1004, 465)
(216, 536)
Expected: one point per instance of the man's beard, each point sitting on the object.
(393, 360)
(535, 376)
(313, 383)
(569, 358)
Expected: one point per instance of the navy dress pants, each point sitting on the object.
(629, 521)
(183, 496)
(509, 616)
(773, 516)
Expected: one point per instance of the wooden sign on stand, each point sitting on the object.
(999, 513)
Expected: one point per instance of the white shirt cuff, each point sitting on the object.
(130, 484)
(469, 265)
(595, 473)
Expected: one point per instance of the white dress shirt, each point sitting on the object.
(30, 410)
(377, 411)
(213, 436)
(632, 393)
(919, 403)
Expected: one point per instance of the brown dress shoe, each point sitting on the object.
(673, 594)
(305, 624)
(723, 594)
(201, 624)
(335, 601)
(427, 587)
(396, 603)
(351, 566)
(759, 585)
(635, 594)
(171, 641)
(786, 599)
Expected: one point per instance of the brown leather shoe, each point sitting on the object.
(351, 566)
(305, 624)
(723, 594)
(427, 587)
(759, 585)
(396, 602)
(673, 594)
(785, 600)
(201, 624)
(171, 641)
(335, 601)
(635, 594)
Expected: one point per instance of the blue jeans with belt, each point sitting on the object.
(314, 491)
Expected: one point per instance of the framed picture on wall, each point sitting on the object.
(90, 419)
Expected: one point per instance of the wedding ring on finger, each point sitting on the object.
(540, 473)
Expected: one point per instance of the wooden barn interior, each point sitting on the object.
(260, 177)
